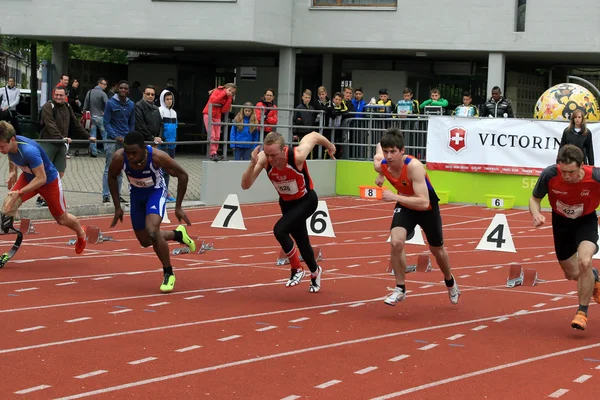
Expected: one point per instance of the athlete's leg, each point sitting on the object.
(299, 214)
(397, 254)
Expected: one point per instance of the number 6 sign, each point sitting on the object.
(319, 224)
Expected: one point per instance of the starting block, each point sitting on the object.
(423, 265)
(204, 247)
(519, 276)
(283, 260)
(94, 235)
(26, 226)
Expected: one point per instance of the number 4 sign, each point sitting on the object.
(230, 215)
(319, 224)
(497, 237)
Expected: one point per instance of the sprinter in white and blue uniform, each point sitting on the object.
(144, 167)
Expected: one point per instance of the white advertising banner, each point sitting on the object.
(490, 145)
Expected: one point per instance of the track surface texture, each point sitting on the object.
(96, 325)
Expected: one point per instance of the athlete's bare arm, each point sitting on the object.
(114, 170)
(377, 165)
(258, 161)
(535, 209)
(173, 168)
(307, 144)
(420, 201)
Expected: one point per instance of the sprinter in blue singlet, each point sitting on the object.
(144, 167)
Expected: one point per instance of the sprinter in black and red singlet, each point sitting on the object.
(416, 204)
(573, 190)
(286, 168)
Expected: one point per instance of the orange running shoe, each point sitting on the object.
(81, 242)
(596, 292)
(579, 321)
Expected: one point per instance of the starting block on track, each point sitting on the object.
(519, 276)
(283, 260)
(26, 226)
(423, 265)
(204, 247)
(93, 235)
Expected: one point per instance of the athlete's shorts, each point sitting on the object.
(429, 220)
(569, 233)
(149, 201)
(52, 192)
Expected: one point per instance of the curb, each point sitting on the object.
(42, 213)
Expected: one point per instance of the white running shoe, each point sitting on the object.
(315, 280)
(297, 275)
(454, 293)
(396, 296)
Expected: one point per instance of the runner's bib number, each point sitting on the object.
(141, 182)
(286, 187)
(569, 211)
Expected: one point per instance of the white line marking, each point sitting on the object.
(374, 262)
(299, 319)
(101, 278)
(353, 266)
(65, 283)
(501, 319)
(327, 384)
(457, 336)
(498, 267)
(163, 303)
(365, 370)
(538, 305)
(329, 312)
(478, 328)
(33, 328)
(526, 259)
(556, 298)
(247, 256)
(120, 311)
(33, 389)
(356, 305)
(540, 256)
(227, 259)
(77, 319)
(481, 272)
(269, 252)
(194, 347)
(194, 297)
(558, 393)
(266, 328)
(464, 276)
(225, 339)
(521, 312)
(598, 367)
(572, 292)
(292, 397)
(428, 347)
(367, 238)
(135, 273)
(398, 358)
(226, 291)
(90, 374)
(26, 289)
(332, 270)
(582, 378)
(349, 240)
(426, 287)
(143, 360)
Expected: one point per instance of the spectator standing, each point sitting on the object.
(267, 117)
(497, 106)
(95, 102)
(466, 109)
(221, 99)
(147, 116)
(241, 132)
(11, 95)
(169, 121)
(435, 100)
(579, 135)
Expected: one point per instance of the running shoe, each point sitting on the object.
(315, 280)
(168, 283)
(396, 296)
(579, 321)
(187, 240)
(296, 277)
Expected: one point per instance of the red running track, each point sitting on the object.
(96, 325)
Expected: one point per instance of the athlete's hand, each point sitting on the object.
(380, 180)
(12, 179)
(118, 217)
(254, 155)
(538, 220)
(331, 151)
(388, 195)
(180, 215)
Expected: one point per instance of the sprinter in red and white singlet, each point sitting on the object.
(573, 190)
(287, 170)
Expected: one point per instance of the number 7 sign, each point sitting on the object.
(230, 215)
(319, 224)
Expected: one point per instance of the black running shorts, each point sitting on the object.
(429, 220)
(569, 233)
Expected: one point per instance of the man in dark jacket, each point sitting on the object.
(497, 106)
(147, 117)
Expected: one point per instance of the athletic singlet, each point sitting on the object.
(571, 200)
(404, 185)
(144, 179)
(290, 183)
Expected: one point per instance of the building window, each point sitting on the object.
(521, 11)
(356, 3)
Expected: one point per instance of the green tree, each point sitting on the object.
(83, 52)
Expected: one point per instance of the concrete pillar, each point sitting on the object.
(327, 74)
(286, 88)
(496, 72)
(60, 59)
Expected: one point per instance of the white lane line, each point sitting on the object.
(464, 276)
(299, 319)
(556, 298)
(247, 256)
(428, 347)
(226, 291)
(329, 312)
(582, 378)
(190, 348)
(69, 321)
(143, 360)
(558, 393)
(90, 374)
(194, 297)
(478, 328)
(367, 238)
(482, 272)
(521, 312)
(332, 270)
(266, 328)
(365, 370)
(102, 278)
(426, 287)
(398, 358)
(65, 283)
(26, 289)
(120, 311)
(163, 303)
(292, 397)
(353, 266)
(501, 319)
(225, 339)
(538, 305)
(327, 384)
(33, 389)
(374, 262)
(33, 328)
(349, 240)
(457, 336)
(356, 305)
(269, 252)
(572, 292)
(227, 259)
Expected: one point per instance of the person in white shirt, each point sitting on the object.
(10, 96)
